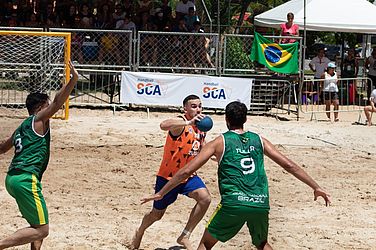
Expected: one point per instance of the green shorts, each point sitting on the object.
(27, 190)
(226, 222)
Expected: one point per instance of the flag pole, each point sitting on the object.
(304, 52)
(305, 32)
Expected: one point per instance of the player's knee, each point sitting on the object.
(205, 199)
(43, 231)
(156, 215)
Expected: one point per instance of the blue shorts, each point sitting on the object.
(192, 184)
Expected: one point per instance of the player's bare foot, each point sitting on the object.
(184, 241)
(136, 240)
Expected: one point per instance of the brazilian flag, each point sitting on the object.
(282, 58)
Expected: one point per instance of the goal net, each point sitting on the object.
(32, 62)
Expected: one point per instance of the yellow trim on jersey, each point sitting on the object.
(214, 214)
(38, 204)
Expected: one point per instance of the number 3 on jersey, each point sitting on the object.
(248, 164)
(18, 145)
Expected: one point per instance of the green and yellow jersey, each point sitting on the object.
(241, 174)
(32, 151)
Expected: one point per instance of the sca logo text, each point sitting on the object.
(148, 89)
(213, 92)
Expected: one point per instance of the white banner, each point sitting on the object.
(170, 89)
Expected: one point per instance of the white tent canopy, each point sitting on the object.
(354, 16)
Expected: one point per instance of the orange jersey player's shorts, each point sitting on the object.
(193, 183)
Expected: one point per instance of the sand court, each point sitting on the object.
(102, 164)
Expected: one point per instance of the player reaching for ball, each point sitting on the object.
(242, 181)
(31, 141)
(183, 143)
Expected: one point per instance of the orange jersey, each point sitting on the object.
(180, 150)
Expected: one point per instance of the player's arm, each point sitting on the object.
(60, 97)
(176, 125)
(210, 149)
(294, 169)
(6, 145)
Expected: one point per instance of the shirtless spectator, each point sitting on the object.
(200, 47)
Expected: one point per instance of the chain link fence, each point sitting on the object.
(177, 52)
(350, 97)
(101, 55)
(101, 49)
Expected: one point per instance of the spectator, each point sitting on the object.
(191, 18)
(371, 66)
(76, 46)
(319, 63)
(69, 20)
(13, 21)
(144, 6)
(201, 46)
(180, 27)
(85, 23)
(119, 13)
(349, 69)
(50, 23)
(166, 10)
(368, 110)
(160, 21)
(32, 21)
(289, 29)
(104, 17)
(330, 90)
(24, 10)
(318, 66)
(109, 48)
(182, 8)
(148, 42)
(128, 7)
(125, 24)
(86, 16)
(49, 16)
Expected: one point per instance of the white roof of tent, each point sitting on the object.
(356, 16)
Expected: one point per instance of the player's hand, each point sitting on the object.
(319, 192)
(73, 70)
(195, 119)
(154, 197)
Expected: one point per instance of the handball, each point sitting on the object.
(205, 124)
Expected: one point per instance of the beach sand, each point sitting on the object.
(102, 164)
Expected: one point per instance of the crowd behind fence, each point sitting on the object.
(100, 56)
